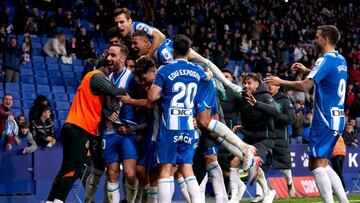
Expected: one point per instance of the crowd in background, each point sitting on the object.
(239, 36)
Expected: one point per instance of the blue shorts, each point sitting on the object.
(175, 146)
(322, 141)
(119, 147)
(147, 154)
(210, 151)
(207, 98)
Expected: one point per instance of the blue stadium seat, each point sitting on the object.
(35, 40)
(37, 45)
(62, 105)
(28, 95)
(41, 80)
(27, 79)
(58, 89)
(27, 65)
(71, 96)
(39, 66)
(17, 103)
(12, 86)
(38, 59)
(42, 89)
(61, 97)
(52, 60)
(61, 115)
(28, 87)
(78, 68)
(28, 72)
(27, 103)
(68, 75)
(40, 73)
(56, 81)
(20, 39)
(53, 67)
(66, 68)
(54, 73)
(77, 62)
(44, 39)
(37, 52)
(71, 90)
(14, 94)
(70, 82)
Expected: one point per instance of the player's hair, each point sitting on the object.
(123, 49)
(141, 33)
(331, 32)
(144, 65)
(253, 76)
(181, 45)
(120, 11)
(113, 32)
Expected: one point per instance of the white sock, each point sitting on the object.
(183, 188)
(142, 194)
(58, 201)
(164, 190)
(335, 183)
(230, 147)
(193, 189)
(228, 135)
(261, 179)
(92, 183)
(234, 184)
(113, 192)
(153, 195)
(323, 183)
(131, 191)
(288, 176)
(218, 74)
(49, 201)
(217, 180)
(172, 185)
(203, 187)
(258, 189)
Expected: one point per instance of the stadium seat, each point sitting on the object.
(66, 68)
(28, 95)
(16, 111)
(71, 90)
(71, 96)
(52, 60)
(28, 87)
(35, 40)
(78, 68)
(39, 66)
(27, 103)
(56, 81)
(41, 73)
(27, 79)
(68, 75)
(41, 80)
(28, 72)
(17, 103)
(37, 52)
(14, 93)
(12, 86)
(42, 89)
(54, 74)
(58, 89)
(61, 115)
(37, 45)
(62, 106)
(77, 62)
(53, 67)
(70, 82)
(61, 97)
(38, 59)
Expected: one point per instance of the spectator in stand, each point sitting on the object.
(42, 128)
(27, 49)
(354, 73)
(6, 115)
(83, 44)
(3, 37)
(24, 132)
(39, 103)
(337, 160)
(298, 95)
(71, 47)
(355, 108)
(31, 27)
(349, 136)
(299, 121)
(306, 127)
(55, 47)
(11, 61)
(68, 21)
(350, 96)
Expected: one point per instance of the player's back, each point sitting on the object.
(330, 75)
(179, 82)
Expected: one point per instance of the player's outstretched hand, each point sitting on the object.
(299, 67)
(272, 80)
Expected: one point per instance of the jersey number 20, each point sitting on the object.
(188, 91)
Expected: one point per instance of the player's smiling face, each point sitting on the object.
(115, 58)
(123, 24)
(251, 85)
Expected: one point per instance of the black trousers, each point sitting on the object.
(74, 141)
(337, 164)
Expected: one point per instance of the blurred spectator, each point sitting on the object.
(27, 49)
(55, 46)
(42, 128)
(350, 136)
(31, 27)
(6, 115)
(68, 20)
(58, 17)
(306, 127)
(50, 28)
(355, 108)
(84, 45)
(24, 132)
(71, 47)
(39, 103)
(298, 95)
(299, 121)
(350, 96)
(20, 119)
(354, 73)
(99, 19)
(11, 61)
(3, 37)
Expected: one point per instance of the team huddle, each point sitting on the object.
(156, 118)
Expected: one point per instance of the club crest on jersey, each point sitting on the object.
(318, 64)
(342, 68)
(183, 137)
